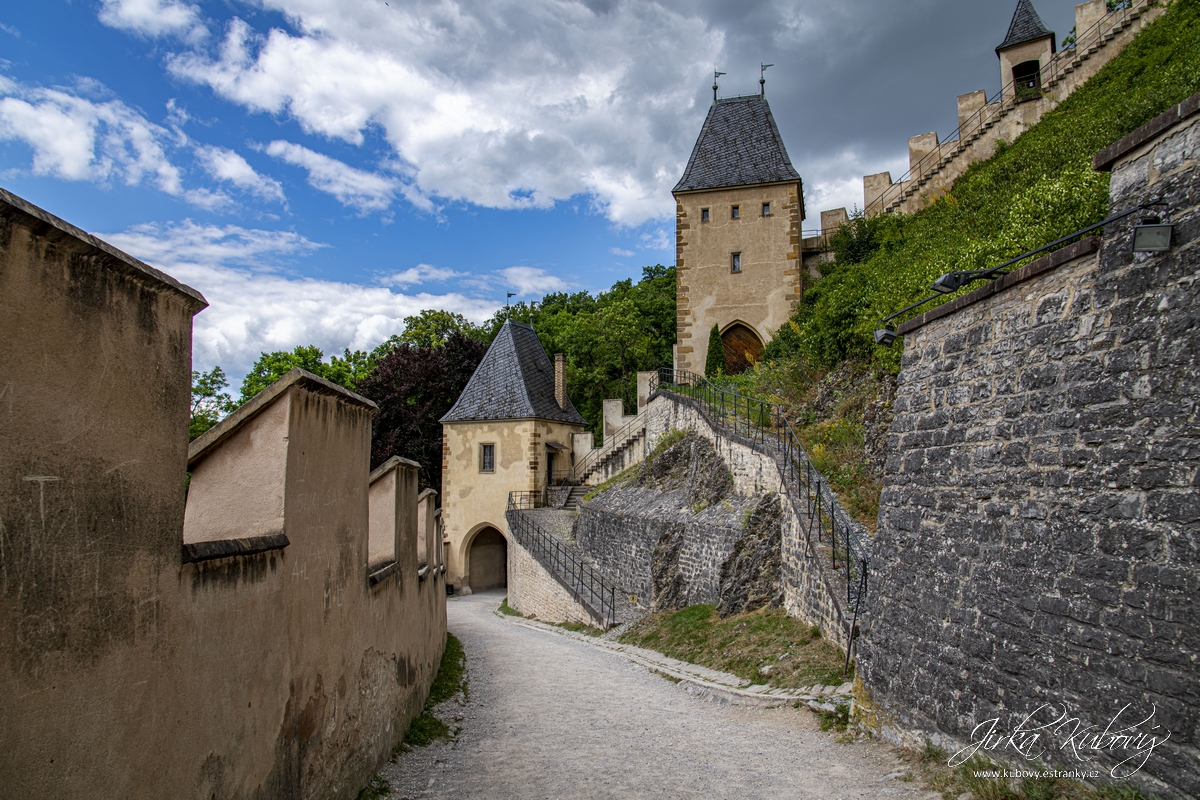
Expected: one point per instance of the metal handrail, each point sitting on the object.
(767, 428)
(591, 589)
(613, 443)
(1050, 74)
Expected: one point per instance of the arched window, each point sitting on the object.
(1027, 79)
(742, 348)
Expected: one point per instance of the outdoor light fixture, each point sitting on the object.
(1152, 236)
(953, 281)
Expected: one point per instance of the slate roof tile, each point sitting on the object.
(515, 380)
(1026, 26)
(739, 145)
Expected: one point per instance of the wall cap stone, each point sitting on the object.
(298, 377)
(1046, 263)
(224, 548)
(391, 464)
(1109, 156)
(112, 257)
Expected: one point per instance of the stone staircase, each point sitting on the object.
(1061, 70)
(575, 497)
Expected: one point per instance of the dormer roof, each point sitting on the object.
(515, 380)
(739, 145)
(1026, 26)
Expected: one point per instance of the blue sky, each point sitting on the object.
(320, 169)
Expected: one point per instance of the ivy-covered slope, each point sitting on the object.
(1033, 191)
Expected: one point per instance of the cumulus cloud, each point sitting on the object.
(77, 139)
(601, 102)
(254, 307)
(226, 165)
(528, 281)
(153, 17)
(421, 273)
(356, 188)
(616, 251)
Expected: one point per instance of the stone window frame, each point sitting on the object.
(735, 263)
(486, 450)
(735, 212)
(704, 215)
(766, 208)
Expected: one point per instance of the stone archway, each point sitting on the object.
(487, 560)
(742, 348)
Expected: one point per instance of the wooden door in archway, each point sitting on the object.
(742, 348)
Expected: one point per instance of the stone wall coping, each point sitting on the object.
(110, 256)
(1046, 263)
(224, 548)
(391, 464)
(426, 491)
(302, 378)
(1109, 156)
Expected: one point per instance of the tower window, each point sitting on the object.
(735, 262)
(487, 458)
(766, 209)
(735, 212)
(704, 215)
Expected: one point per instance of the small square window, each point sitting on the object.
(735, 263)
(735, 212)
(487, 458)
(704, 215)
(766, 209)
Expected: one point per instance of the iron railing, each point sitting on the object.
(997, 105)
(766, 426)
(591, 589)
(612, 444)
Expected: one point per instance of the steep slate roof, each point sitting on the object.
(515, 380)
(1026, 26)
(739, 145)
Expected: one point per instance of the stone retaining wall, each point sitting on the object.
(534, 591)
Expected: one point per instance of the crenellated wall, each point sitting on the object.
(253, 640)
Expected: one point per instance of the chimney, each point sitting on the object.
(560, 380)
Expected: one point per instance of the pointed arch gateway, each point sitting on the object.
(742, 347)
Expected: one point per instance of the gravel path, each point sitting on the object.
(553, 717)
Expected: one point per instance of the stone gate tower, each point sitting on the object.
(738, 209)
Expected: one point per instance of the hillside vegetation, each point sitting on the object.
(824, 365)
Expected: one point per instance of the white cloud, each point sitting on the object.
(658, 239)
(616, 251)
(503, 103)
(421, 273)
(366, 191)
(153, 17)
(252, 310)
(226, 165)
(81, 140)
(531, 280)
(836, 182)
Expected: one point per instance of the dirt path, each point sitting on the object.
(553, 717)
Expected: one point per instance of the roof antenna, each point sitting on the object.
(762, 79)
(715, 76)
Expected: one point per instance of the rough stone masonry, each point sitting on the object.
(1038, 530)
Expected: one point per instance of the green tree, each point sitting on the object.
(714, 362)
(346, 371)
(209, 403)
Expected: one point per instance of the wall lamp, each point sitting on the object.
(1150, 235)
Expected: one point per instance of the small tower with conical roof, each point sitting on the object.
(1028, 46)
(511, 430)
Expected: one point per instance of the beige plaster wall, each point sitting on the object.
(125, 673)
(707, 293)
(238, 491)
(473, 500)
(1038, 50)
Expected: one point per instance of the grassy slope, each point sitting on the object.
(1031, 192)
(743, 645)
